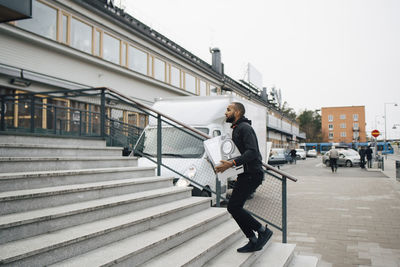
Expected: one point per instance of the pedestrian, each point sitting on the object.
(362, 157)
(247, 182)
(333, 157)
(369, 153)
(293, 155)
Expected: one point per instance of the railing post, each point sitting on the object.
(159, 144)
(32, 113)
(218, 192)
(103, 114)
(55, 120)
(80, 122)
(3, 113)
(284, 211)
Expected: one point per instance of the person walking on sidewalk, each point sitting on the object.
(369, 153)
(247, 182)
(362, 157)
(293, 155)
(333, 157)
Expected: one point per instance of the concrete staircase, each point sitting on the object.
(76, 202)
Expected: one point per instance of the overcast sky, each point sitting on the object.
(321, 53)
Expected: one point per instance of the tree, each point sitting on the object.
(310, 123)
(288, 111)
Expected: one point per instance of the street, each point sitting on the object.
(348, 218)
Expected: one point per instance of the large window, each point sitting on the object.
(343, 125)
(330, 126)
(159, 69)
(355, 117)
(190, 81)
(137, 60)
(203, 88)
(343, 134)
(43, 21)
(330, 135)
(111, 48)
(175, 76)
(343, 116)
(81, 36)
(213, 90)
(330, 117)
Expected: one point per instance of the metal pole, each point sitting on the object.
(32, 113)
(218, 192)
(159, 144)
(103, 114)
(3, 113)
(284, 211)
(80, 123)
(55, 120)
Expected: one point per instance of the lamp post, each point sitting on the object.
(390, 103)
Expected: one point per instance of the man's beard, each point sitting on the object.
(230, 119)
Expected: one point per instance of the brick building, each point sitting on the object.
(343, 124)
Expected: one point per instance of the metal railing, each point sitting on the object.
(172, 146)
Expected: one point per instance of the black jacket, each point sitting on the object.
(245, 139)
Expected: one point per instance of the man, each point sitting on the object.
(369, 153)
(333, 157)
(362, 157)
(245, 139)
(293, 155)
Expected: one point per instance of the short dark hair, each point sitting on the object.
(239, 107)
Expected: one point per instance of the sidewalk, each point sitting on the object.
(351, 218)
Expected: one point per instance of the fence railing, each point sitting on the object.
(175, 148)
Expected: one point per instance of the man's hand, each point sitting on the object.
(223, 166)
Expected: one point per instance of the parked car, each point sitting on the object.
(277, 157)
(300, 153)
(312, 153)
(348, 158)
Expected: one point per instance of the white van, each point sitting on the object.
(185, 153)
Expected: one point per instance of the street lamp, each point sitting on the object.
(391, 103)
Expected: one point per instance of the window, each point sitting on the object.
(343, 134)
(330, 135)
(355, 117)
(81, 36)
(213, 90)
(343, 116)
(343, 125)
(203, 88)
(355, 125)
(330, 117)
(330, 126)
(43, 21)
(159, 69)
(190, 83)
(137, 60)
(111, 48)
(175, 76)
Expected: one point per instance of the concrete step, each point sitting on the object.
(135, 250)
(27, 224)
(28, 164)
(277, 255)
(304, 261)
(66, 243)
(31, 180)
(51, 140)
(230, 256)
(31, 199)
(44, 150)
(200, 249)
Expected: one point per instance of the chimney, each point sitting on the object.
(264, 94)
(216, 60)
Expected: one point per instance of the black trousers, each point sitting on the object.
(369, 163)
(245, 185)
(333, 162)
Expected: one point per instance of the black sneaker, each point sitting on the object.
(249, 247)
(263, 238)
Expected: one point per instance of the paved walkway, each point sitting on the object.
(350, 218)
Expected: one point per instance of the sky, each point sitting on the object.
(320, 53)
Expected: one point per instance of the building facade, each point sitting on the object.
(76, 44)
(343, 124)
